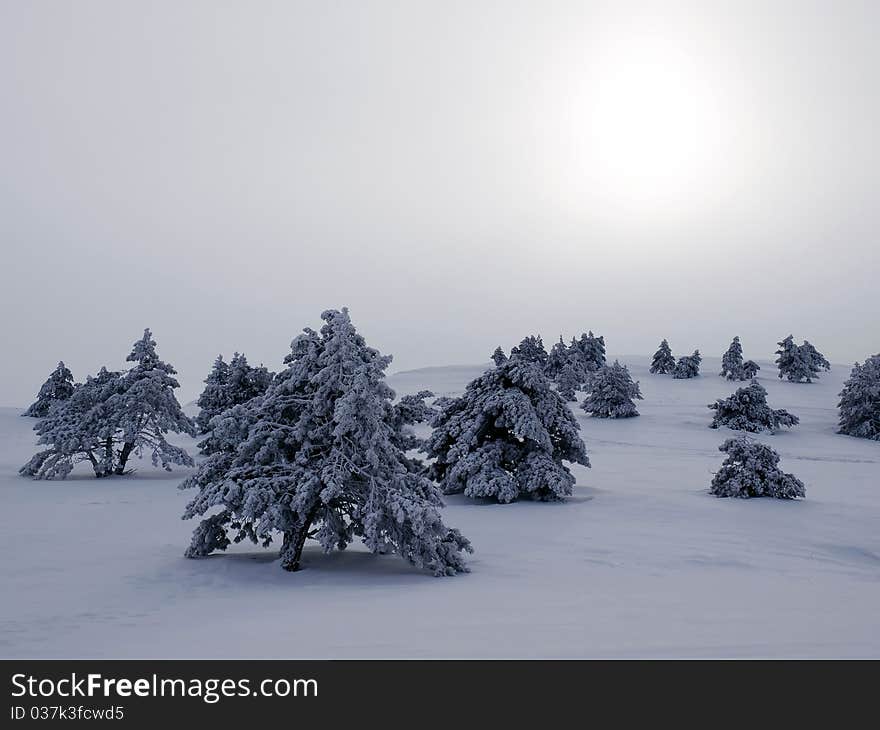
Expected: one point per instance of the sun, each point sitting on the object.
(652, 134)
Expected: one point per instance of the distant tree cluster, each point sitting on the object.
(111, 416)
(664, 362)
(568, 366)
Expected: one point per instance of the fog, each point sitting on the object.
(459, 174)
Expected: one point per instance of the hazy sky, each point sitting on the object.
(459, 174)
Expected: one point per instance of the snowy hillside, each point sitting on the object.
(640, 562)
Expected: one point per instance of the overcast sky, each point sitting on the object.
(459, 174)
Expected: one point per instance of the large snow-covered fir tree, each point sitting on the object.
(58, 387)
(747, 410)
(751, 470)
(498, 356)
(688, 366)
(144, 409)
(799, 363)
(611, 393)
(860, 401)
(567, 382)
(531, 349)
(227, 386)
(663, 361)
(320, 455)
(506, 437)
(557, 359)
(732, 365)
(77, 430)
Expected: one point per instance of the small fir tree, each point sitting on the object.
(611, 393)
(227, 386)
(747, 410)
(751, 470)
(58, 387)
(498, 356)
(213, 400)
(557, 359)
(860, 401)
(688, 366)
(663, 361)
(799, 363)
(567, 383)
(506, 438)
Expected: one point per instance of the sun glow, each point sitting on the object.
(650, 130)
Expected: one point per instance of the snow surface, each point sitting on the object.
(640, 562)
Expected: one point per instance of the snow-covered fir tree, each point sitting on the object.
(860, 401)
(688, 366)
(498, 356)
(144, 409)
(751, 470)
(732, 365)
(58, 387)
(507, 437)
(227, 386)
(567, 382)
(747, 410)
(663, 361)
(611, 391)
(557, 359)
(319, 456)
(531, 349)
(112, 416)
(587, 354)
(77, 430)
(212, 400)
(799, 363)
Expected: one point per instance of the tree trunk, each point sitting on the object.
(94, 462)
(294, 541)
(127, 448)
